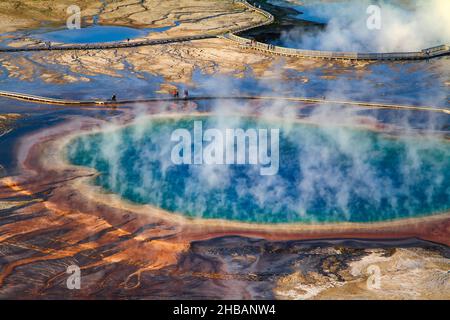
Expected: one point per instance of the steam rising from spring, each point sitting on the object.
(327, 172)
(405, 26)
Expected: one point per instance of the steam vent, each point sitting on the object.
(224, 150)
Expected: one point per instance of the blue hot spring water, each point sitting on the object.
(97, 34)
(326, 174)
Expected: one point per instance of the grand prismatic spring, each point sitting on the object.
(328, 174)
(220, 149)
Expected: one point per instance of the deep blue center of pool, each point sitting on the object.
(326, 174)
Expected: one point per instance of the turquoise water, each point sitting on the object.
(97, 34)
(326, 174)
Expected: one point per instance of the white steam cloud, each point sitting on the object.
(405, 26)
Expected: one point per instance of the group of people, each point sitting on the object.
(176, 93)
(253, 43)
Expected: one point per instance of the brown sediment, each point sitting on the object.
(7, 123)
(174, 62)
(204, 16)
(403, 274)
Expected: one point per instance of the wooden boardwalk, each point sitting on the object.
(315, 101)
(111, 45)
(424, 54)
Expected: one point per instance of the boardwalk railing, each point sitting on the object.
(277, 50)
(110, 103)
(269, 18)
(112, 45)
(40, 99)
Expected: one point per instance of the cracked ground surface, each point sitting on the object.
(200, 16)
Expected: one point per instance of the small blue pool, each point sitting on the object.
(97, 34)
